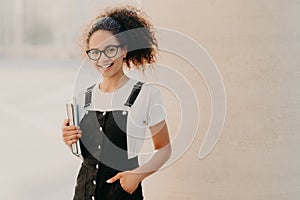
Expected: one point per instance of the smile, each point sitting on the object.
(106, 66)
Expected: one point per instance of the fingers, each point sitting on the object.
(113, 179)
(71, 137)
(70, 142)
(124, 187)
(66, 122)
(70, 133)
(66, 127)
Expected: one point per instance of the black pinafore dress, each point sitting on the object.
(104, 151)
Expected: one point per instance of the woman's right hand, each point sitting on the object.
(70, 133)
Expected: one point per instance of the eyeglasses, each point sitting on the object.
(110, 52)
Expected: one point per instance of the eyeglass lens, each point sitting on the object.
(110, 52)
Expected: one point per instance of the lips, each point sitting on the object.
(107, 66)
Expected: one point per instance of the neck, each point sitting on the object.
(113, 83)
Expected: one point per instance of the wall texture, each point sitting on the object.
(255, 45)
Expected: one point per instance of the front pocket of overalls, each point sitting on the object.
(81, 184)
(119, 193)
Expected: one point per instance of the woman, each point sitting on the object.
(119, 109)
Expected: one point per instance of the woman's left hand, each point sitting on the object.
(128, 180)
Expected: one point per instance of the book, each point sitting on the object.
(72, 114)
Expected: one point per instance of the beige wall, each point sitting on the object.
(44, 28)
(255, 45)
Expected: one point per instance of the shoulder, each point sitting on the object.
(151, 93)
(148, 90)
(151, 88)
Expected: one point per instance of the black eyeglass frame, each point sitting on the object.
(103, 51)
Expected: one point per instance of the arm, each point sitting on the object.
(130, 180)
(162, 146)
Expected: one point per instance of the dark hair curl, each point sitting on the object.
(132, 29)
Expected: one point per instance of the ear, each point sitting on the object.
(124, 51)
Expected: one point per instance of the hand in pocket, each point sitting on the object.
(128, 181)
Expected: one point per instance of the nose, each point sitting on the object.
(103, 60)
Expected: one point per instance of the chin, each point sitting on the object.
(108, 74)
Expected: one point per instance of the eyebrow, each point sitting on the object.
(107, 46)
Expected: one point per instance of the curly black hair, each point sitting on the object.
(132, 28)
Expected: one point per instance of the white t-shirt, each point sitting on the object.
(147, 110)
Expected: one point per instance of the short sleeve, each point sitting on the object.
(156, 112)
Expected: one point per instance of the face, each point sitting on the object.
(110, 62)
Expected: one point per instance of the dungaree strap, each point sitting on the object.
(88, 96)
(132, 97)
(134, 93)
